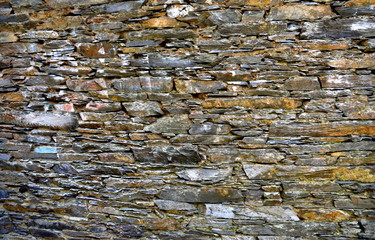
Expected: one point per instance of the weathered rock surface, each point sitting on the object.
(172, 119)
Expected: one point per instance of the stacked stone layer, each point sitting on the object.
(172, 119)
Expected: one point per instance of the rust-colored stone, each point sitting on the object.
(367, 61)
(162, 22)
(359, 2)
(116, 157)
(323, 215)
(12, 97)
(356, 174)
(254, 3)
(250, 103)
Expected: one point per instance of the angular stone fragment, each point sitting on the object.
(343, 28)
(368, 10)
(262, 155)
(357, 110)
(300, 12)
(40, 119)
(167, 154)
(302, 83)
(253, 103)
(86, 85)
(127, 6)
(173, 205)
(174, 124)
(69, 3)
(12, 97)
(102, 50)
(347, 81)
(194, 86)
(251, 28)
(209, 129)
(219, 211)
(369, 226)
(143, 109)
(201, 174)
(93, 116)
(201, 195)
(8, 37)
(323, 129)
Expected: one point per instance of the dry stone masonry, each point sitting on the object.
(176, 119)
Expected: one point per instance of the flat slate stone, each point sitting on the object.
(167, 154)
(343, 28)
(201, 195)
(210, 175)
(174, 124)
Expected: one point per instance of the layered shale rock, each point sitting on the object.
(202, 119)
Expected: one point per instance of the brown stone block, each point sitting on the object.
(12, 97)
(359, 2)
(302, 83)
(323, 130)
(325, 45)
(194, 86)
(300, 12)
(253, 103)
(162, 22)
(102, 50)
(116, 157)
(7, 37)
(86, 85)
(323, 215)
(254, 3)
(367, 61)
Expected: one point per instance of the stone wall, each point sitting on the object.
(200, 119)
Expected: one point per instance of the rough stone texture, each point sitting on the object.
(172, 119)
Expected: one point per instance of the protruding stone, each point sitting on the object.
(40, 35)
(322, 215)
(45, 80)
(174, 124)
(167, 154)
(102, 50)
(146, 84)
(300, 12)
(143, 109)
(193, 86)
(201, 195)
(219, 211)
(302, 83)
(351, 11)
(67, 70)
(209, 175)
(8, 37)
(160, 34)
